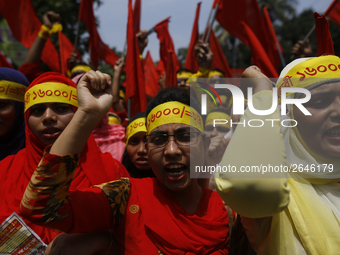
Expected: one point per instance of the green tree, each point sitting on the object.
(181, 55)
(281, 10)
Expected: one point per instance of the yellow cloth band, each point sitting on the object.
(212, 73)
(82, 68)
(223, 99)
(113, 120)
(51, 92)
(12, 90)
(45, 32)
(320, 69)
(217, 115)
(138, 125)
(122, 94)
(174, 112)
(184, 75)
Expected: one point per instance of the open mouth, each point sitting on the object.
(333, 132)
(175, 171)
(51, 132)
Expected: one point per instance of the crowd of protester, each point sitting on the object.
(88, 178)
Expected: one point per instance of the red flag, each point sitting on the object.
(191, 62)
(171, 68)
(324, 40)
(160, 67)
(333, 12)
(232, 13)
(237, 73)
(134, 71)
(274, 44)
(97, 47)
(219, 60)
(4, 62)
(136, 15)
(65, 49)
(166, 42)
(150, 76)
(258, 54)
(25, 26)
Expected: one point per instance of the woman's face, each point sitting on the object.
(137, 151)
(7, 116)
(171, 162)
(218, 130)
(48, 120)
(321, 130)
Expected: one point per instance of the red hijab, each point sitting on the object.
(15, 171)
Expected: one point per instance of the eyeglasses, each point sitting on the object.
(182, 139)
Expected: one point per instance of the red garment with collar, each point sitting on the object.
(15, 171)
(162, 224)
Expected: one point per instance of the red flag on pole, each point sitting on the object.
(136, 15)
(4, 62)
(258, 54)
(97, 47)
(25, 26)
(274, 44)
(150, 76)
(219, 60)
(65, 49)
(333, 12)
(232, 13)
(166, 42)
(324, 40)
(191, 62)
(134, 71)
(160, 67)
(171, 69)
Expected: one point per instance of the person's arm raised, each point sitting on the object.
(94, 101)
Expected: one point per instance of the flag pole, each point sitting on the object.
(313, 28)
(77, 37)
(304, 40)
(211, 24)
(207, 24)
(129, 108)
(280, 54)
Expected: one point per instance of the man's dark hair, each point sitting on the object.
(173, 93)
(184, 70)
(218, 70)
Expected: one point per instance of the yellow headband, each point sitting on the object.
(82, 68)
(320, 69)
(114, 119)
(51, 92)
(12, 90)
(223, 99)
(217, 115)
(138, 125)
(212, 73)
(174, 112)
(122, 94)
(184, 75)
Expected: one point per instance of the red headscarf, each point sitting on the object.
(15, 171)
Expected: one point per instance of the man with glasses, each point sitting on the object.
(169, 214)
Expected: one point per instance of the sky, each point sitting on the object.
(112, 16)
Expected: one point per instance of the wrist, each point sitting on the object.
(44, 32)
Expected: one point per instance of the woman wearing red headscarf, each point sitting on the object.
(50, 103)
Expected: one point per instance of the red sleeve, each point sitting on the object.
(123, 115)
(47, 202)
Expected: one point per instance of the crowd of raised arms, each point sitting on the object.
(91, 169)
